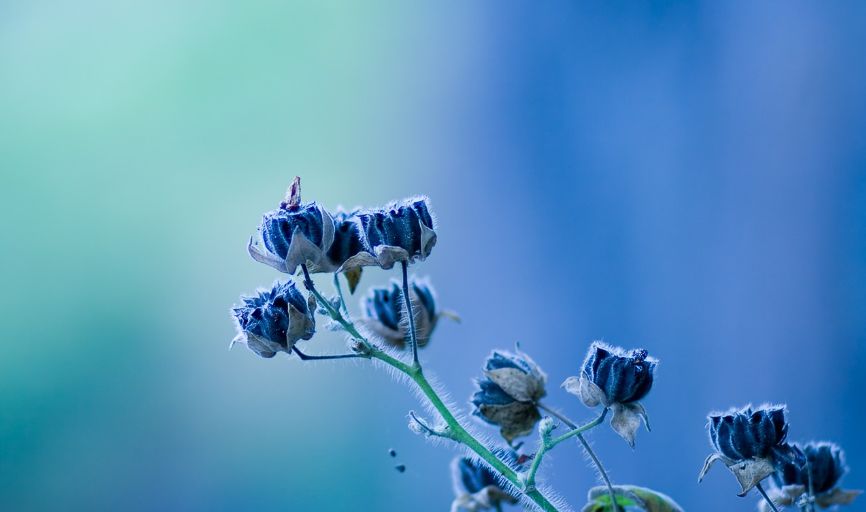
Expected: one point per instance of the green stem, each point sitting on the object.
(548, 444)
(766, 498)
(409, 313)
(595, 460)
(339, 288)
(460, 434)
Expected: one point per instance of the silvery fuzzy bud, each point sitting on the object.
(617, 379)
(477, 487)
(401, 231)
(508, 393)
(274, 320)
(749, 442)
(383, 312)
(294, 234)
(821, 462)
(747, 433)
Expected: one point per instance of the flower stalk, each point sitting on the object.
(548, 444)
(458, 433)
(595, 460)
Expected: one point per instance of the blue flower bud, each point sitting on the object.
(508, 393)
(274, 320)
(349, 239)
(401, 231)
(383, 312)
(824, 460)
(294, 235)
(617, 379)
(623, 377)
(747, 433)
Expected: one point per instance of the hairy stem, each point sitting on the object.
(333, 313)
(595, 460)
(414, 372)
(548, 444)
(760, 489)
(410, 314)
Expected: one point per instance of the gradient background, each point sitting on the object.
(688, 178)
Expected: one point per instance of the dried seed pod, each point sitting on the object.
(294, 234)
(750, 442)
(384, 314)
(508, 393)
(615, 378)
(274, 320)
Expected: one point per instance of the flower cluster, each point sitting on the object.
(299, 233)
(810, 473)
(617, 379)
(306, 234)
(751, 442)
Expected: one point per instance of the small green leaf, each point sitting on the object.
(630, 498)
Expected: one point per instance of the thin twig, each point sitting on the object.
(595, 460)
(409, 312)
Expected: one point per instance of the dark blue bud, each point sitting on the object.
(622, 377)
(401, 231)
(747, 433)
(294, 235)
(384, 313)
(349, 239)
(824, 460)
(274, 320)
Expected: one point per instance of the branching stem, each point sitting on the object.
(413, 371)
(548, 444)
(595, 460)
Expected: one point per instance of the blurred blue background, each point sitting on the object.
(686, 177)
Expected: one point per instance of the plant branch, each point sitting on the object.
(459, 433)
(548, 444)
(595, 460)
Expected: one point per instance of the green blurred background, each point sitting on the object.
(683, 176)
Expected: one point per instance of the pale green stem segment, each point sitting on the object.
(339, 288)
(459, 434)
(760, 489)
(595, 460)
(548, 444)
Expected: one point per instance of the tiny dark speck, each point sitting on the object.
(400, 467)
(392, 452)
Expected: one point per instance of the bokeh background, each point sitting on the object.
(686, 177)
